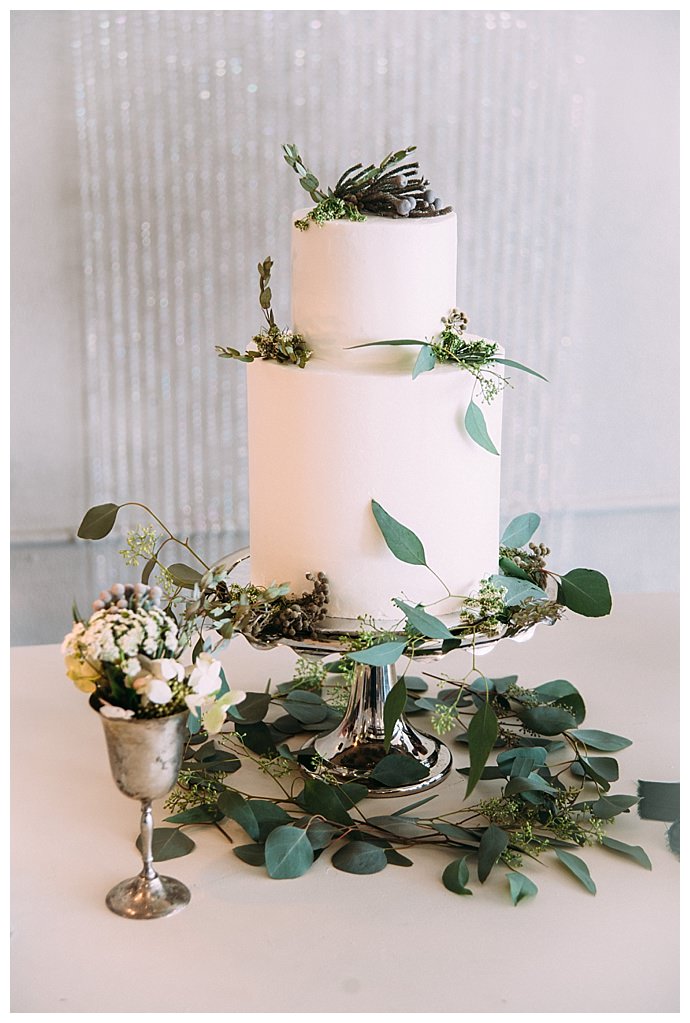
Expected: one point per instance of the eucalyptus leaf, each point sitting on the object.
(308, 708)
(397, 769)
(635, 852)
(607, 742)
(475, 424)
(600, 769)
(493, 844)
(547, 720)
(256, 737)
(268, 815)
(397, 859)
(413, 684)
(168, 844)
(518, 365)
(393, 709)
(518, 589)
(98, 521)
(481, 736)
(455, 877)
(360, 858)
(288, 852)
(146, 575)
(321, 833)
(380, 654)
(455, 833)
(586, 592)
(426, 360)
(520, 530)
(520, 886)
(235, 807)
(520, 762)
(253, 708)
(608, 806)
(393, 342)
(508, 567)
(184, 575)
(401, 541)
(320, 798)
(578, 868)
(195, 815)
(532, 783)
(253, 854)
(401, 827)
(412, 806)
(422, 621)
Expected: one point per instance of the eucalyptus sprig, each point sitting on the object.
(386, 190)
(475, 355)
(272, 341)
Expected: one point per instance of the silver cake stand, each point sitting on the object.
(353, 749)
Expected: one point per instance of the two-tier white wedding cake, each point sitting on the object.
(354, 426)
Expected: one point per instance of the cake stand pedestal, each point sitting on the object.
(352, 750)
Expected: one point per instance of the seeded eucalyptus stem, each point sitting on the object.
(171, 536)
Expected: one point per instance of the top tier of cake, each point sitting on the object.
(382, 279)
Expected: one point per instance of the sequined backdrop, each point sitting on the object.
(180, 119)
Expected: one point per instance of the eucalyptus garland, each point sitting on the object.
(390, 189)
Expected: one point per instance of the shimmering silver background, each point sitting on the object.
(177, 188)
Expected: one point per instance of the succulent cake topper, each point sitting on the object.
(386, 190)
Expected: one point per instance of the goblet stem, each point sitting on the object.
(146, 830)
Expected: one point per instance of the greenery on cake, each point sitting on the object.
(389, 189)
(474, 355)
(272, 341)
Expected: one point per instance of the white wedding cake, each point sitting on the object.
(353, 426)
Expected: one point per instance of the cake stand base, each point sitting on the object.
(353, 750)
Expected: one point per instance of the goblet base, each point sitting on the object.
(142, 898)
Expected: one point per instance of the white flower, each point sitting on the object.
(205, 676)
(212, 711)
(156, 690)
(165, 668)
(109, 711)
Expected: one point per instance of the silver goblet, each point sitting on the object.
(145, 757)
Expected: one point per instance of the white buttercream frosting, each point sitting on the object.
(323, 442)
(384, 278)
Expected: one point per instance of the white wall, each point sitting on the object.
(554, 132)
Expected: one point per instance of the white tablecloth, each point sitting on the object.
(330, 941)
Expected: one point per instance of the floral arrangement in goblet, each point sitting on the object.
(127, 656)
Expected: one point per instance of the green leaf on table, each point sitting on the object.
(321, 833)
(397, 769)
(401, 827)
(168, 844)
(531, 783)
(184, 575)
(635, 852)
(308, 708)
(256, 737)
(426, 360)
(455, 833)
(268, 816)
(422, 621)
(401, 541)
(547, 720)
(517, 590)
(235, 807)
(360, 858)
(98, 521)
(493, 844)
(484, 685)
(253, 708)
(578, 868)
(602, 770)
(392, 710)
(397, 859)
(481, 736)
(475, 424)
(320, 798)
(607, 806)
(455, 877)
(253, 854)
(520, 886)
(518, 365)
(288, 852)
(520, 762)
(520, 530)
(607, 742)
(380, 654)
(586, 592)
(413, 684)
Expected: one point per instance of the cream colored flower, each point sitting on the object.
(156, 690)
(108, 710)
(81, 673)
(212, 711)
(205, 677)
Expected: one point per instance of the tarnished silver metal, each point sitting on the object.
(145, 757)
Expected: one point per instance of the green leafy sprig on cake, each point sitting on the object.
(389, 189)
(475, 355)
(272, 341)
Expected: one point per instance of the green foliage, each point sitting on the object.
(578, 868)
(401, 541)
(168, 844)
(393, 708)
(481, 736)
(475, 424)
(585, 591)
(360, 858)
(520, 530)
(455, 877)
(288, 852)
(520, 886)
(98, 521)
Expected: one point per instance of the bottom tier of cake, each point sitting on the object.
(324, 442)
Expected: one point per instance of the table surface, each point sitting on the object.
(331, 941)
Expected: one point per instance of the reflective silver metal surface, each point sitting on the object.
(145, 758)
